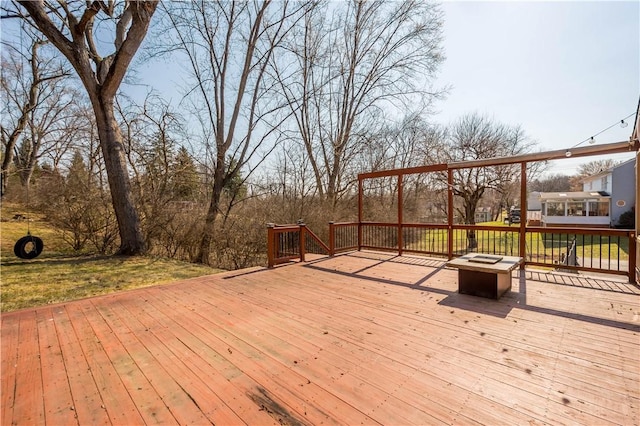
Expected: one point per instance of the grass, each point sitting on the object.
(539, 245)
(591, 246)
(60, 275)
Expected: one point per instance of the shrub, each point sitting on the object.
(627, 219)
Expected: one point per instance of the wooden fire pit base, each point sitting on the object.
(483, 277)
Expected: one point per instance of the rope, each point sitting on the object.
(28, 211)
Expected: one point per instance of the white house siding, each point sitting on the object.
(580, 221)
(600, 182)
(533, 202)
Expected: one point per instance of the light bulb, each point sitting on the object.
(592, 140)
(568, 153)
(623, 124)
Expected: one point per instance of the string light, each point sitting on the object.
(592, 139)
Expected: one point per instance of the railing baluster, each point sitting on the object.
(494, 241)
(618, 252)
(609, 251)
(600, 251)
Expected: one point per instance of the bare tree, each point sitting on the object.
(29, 80)
(152, 132)
(227, 47)
(350, 62)
(69, 26)
(552, 183)
(475, 137)
(53, 128)
(589, 169)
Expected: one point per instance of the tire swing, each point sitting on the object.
(28, 247)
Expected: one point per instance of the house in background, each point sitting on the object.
(582, 209)
(619, 181)
(534, 209)
(604, 197)
(484, 214)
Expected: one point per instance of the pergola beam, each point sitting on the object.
(561, 154)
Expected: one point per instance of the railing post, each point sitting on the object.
(360, 215)
(332, 239)
(270, 245)
(632, 257)
(522, 250)
(400, 214)
(302, 233)
(450, 213)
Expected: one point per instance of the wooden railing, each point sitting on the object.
(610, 251)
(292, 242)
(343, 236)
(502, 240)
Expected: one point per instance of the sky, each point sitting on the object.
(563, 71)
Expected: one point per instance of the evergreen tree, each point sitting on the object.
(184, 176)
(78, 176)
(234, 186)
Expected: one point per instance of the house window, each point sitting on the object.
(555, 208)
(591, 186)
(599, 208)
(605, 182)
(576, 208)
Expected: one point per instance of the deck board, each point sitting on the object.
(8, 365)
(153, 366)
(28, 400)
(56, 391)
(87, 402)
(361, 338)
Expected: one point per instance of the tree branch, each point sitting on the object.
(141, 12)
(87, 16)
(41, 19)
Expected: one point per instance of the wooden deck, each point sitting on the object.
(362, 338)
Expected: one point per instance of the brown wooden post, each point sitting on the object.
(360, 201)
(636, 240)
(302, 232)
(450, 212)
(332, 239)
(400, 219)
(632, 257)
(523, 214)
(270, 245)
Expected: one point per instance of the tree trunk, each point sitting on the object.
(131, 237)
(27, 171)
(6, 163)
(470, 205)
(204, 251)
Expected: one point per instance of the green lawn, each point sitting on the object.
(548, 244)
(59, 274)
